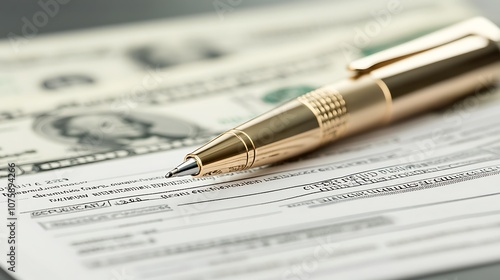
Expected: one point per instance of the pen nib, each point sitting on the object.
(189, 167)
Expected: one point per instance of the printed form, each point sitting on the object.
(91, 201)
(418, 197)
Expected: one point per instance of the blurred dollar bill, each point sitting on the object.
(104, 94)
(86, 59)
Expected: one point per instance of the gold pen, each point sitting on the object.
(422, 74)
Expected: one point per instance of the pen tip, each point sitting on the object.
(188, 167)
(172, 173)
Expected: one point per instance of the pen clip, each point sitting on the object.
(478, 26)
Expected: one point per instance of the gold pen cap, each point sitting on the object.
(436, 69)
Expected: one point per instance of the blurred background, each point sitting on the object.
(91, 13)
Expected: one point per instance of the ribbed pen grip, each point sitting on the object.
(330, 110)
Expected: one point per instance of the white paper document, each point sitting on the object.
(418, 197)
(91, 201)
